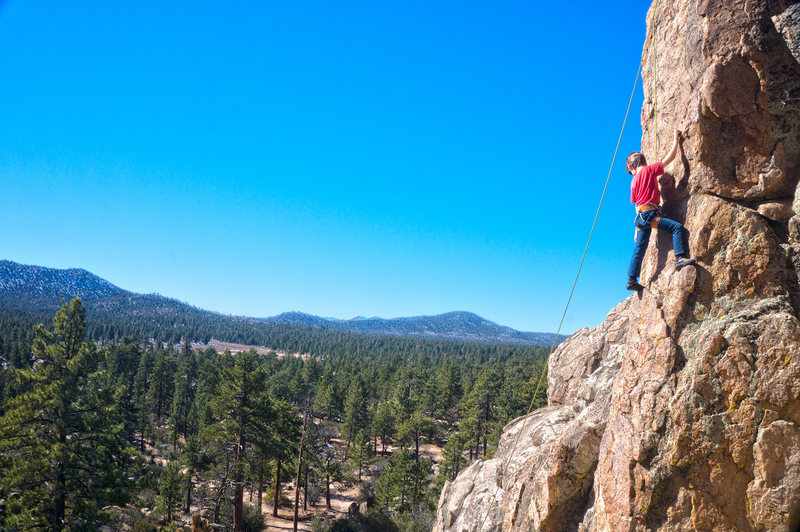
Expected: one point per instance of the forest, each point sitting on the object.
(131, 432)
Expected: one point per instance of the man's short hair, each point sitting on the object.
(635, 160)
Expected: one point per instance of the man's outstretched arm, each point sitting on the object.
(674, 150)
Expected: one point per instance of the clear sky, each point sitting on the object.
(339, 158)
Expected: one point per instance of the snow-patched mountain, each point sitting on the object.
(37, 289)
(38, 281)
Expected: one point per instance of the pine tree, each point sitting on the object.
(330, 394)
(417, 426)
(405, 482)
(391, 489)
(261, 469)
(141, 385)
(449, 390)
(482, 404)
(62, 442)
(384, 423)
(122, 361)
(209, 363)
(419, 482)
(452, 457)
(185, 387)
(286, 434)
(359, 452)
(245, 414)
(355, 411)
(331, 470)
(193, 459)
(169, 489)
(162, 385)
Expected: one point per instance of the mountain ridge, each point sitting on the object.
(446, 325)
(41, 289)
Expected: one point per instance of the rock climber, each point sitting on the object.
(645, 195)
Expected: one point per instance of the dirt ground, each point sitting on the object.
(341, 499)
(284, 521)
(340, 502)
(238, 348)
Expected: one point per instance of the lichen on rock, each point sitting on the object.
(682, 410)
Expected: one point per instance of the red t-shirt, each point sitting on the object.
(644, 186)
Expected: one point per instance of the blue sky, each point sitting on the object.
(337, 158)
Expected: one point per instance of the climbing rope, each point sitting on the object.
(655, 88)
(583, 257)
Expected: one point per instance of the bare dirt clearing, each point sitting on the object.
(238, 348)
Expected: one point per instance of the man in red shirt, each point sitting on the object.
(645, 195)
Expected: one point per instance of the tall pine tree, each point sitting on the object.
(181, 422)
(62, 442)
(245, 414)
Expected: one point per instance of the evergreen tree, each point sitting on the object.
(194, 460)
(209, 363)
(404, 485)
(162, 385)
(359, 452)
(419, 480)
(141, 385)
(261, 468)
(384, 424)
(470, 429)
(311, 375)
(62, 442)
(286, 435)
(245, 414)
(181, 420)
(417, 426)
(122, 361)
(452, 457)
(355, 410)
(483, 403)
(449, 391)
(329, 399)
(169, 490)
(391, 489)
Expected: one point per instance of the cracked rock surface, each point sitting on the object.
(682, 410)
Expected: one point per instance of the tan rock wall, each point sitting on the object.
(682, 410)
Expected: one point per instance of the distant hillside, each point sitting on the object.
(461, 326)
(21, 282)
(113, 311)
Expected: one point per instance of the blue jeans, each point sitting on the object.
(643, 221)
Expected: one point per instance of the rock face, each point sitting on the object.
(682, 410)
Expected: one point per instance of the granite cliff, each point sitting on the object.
(682, 410)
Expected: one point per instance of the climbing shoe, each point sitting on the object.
(634, 285)
(683, 261)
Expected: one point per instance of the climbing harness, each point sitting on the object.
(650, 33)
(648, 207)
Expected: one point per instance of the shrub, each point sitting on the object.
(252, 519)
(144, 525)
(374, 521)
